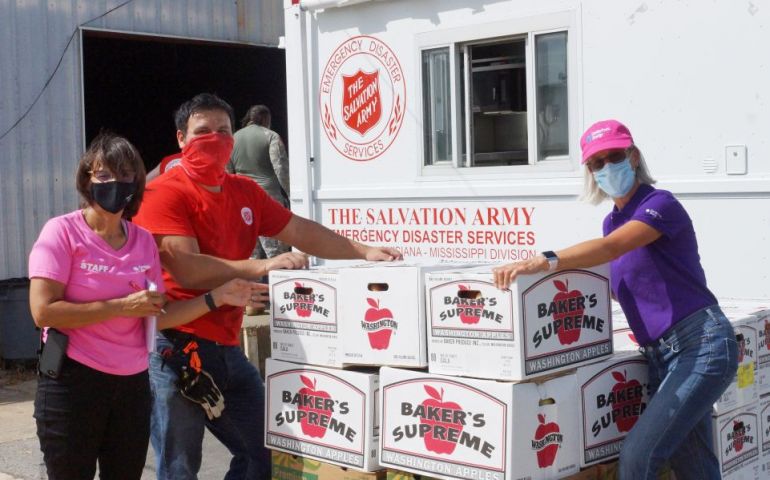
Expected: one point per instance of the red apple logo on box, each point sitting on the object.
(739, 433)
(568, 333)
(303, 300)
(628, 401)
(436, 401)
(625, 401)
(313, 408)
(441, 424)
(469, 316)
(565, 315)
(547, 441)
(379, 325)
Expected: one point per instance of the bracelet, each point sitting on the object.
(210, 301)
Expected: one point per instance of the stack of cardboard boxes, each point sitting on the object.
(432, 372)
(360, 317)
(500, 398)
(742, 414)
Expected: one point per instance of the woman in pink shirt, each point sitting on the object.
(93, 280)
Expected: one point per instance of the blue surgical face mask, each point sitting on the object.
(616, 179)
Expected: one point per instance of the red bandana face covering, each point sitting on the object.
(204, 158)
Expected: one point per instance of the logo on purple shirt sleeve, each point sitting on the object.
(653, 214)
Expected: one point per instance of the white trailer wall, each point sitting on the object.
(38, 157)
(689, 78)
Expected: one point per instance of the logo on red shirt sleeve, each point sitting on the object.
(247, 216)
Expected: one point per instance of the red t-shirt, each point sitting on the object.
(170, 161)
(225, 224)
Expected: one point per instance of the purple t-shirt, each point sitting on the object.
(661, 283)
(69, 252)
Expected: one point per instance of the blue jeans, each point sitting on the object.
(689, 366)
(177, 424)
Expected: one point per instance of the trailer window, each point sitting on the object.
(490, 106)
(496, 75)
(436, 101)
(551, 80)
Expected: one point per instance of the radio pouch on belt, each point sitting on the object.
(52, 353)
(194, 383)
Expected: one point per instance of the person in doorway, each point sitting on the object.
(90, 273)
(259, 154)
(657, 277)
(206, 223)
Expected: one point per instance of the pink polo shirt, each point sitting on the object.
(69, 252)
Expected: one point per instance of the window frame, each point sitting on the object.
(483, 32)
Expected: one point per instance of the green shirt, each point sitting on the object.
(259, 154)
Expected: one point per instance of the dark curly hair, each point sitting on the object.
(116, 154)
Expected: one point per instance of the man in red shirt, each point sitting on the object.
(206, 223)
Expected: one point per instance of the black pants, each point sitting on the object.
(86, 416)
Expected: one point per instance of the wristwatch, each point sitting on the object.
(553, 260)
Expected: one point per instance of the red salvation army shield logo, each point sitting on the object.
(361, 104)
(362, 98)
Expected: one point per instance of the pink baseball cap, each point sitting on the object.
(604, 135)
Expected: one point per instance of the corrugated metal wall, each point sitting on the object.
(38, 157)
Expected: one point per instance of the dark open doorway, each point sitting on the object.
(133, 84)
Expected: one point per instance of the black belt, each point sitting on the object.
(180, 338)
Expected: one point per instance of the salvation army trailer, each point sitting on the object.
(450, 128)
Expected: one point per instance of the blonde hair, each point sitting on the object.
(595, 195)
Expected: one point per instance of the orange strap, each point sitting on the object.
(192, 349)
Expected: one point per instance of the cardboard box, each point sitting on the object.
(304, 322)
(384, 313)
(764, 429)
(286, 466)
(255, 340)
(454, 427)
(761, 310)
(623, 339)
(763, 349)
(736, 443)
(613, 394)
(478, 330)
(399, 475)
(322, 413)
(743, 389)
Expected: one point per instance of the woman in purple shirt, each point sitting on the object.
(657, 277)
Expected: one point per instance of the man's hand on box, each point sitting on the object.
(287, 261)
(383, 254)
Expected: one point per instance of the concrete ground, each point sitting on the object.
(20, 456)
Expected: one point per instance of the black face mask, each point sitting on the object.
(113, 196)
